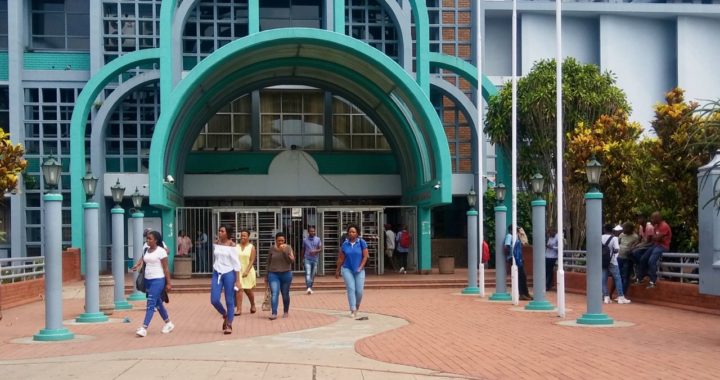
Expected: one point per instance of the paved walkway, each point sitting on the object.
(409, 334)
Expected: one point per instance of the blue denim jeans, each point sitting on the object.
(613, 270)
(355, 284)
(154, 288)
(549, 272)
(280, 283)
(310, 272)
(625, 268)
(223, 283)
(647, 264)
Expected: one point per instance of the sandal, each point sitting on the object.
(228, 329)
(238, 313)
(224, 326)
(252, 310)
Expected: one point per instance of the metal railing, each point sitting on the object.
(21, 268)
(681, 267)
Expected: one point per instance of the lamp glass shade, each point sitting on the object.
(89, 184)
(594, 169)
(51, 169)
(500, 192)
(118, 192)
(137, 199)
(472, 198)
(538, 183)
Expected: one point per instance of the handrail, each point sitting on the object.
(21, 268)
(575, 261)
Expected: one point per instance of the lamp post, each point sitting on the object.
(539, 302)
(118, 244)
(501, 293)
(472, 245)
(92, 312)
(593, 223)
(54, 330)
(137, 217)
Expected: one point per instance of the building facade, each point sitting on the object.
(276, 115)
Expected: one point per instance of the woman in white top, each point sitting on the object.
(246, 255)
(157, 280)
(225, 277)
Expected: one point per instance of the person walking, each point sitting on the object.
(352, 257)
(312, 246)
(246, 255)
(279, 264)
(157, 281)
(225, 276)
(402, 247)
(551, 257)
(389, 245)
(610, 239)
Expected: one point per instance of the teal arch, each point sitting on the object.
(83, 105)
(466, 71)
(324, 54)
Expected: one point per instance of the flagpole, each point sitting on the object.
(559, 160)
(514, 268)
(480, 146)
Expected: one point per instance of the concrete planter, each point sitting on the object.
(107, 287)
(446, 264)
(183, 267)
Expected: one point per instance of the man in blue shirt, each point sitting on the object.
(312, 246)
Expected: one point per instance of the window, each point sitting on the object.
(229, 129)
(60, 25)
(3, 25)
(367, 20)
(129, 26)
(458, 132)
(353, 130)
(276, 14)
(211, 25)
(4, 109)
(292, 119)
(48, 112)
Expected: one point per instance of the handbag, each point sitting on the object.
(140, 280)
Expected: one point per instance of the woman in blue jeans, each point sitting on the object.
(225, 277)
(157, 280)
(280, 259)
(351, 261)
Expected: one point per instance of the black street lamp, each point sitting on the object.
(594, 169)
(118, 192)
(137, 199)
(51, 169)
(472, 198)
(89, 185)
(538, 183)
(500, 193)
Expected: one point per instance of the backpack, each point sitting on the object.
(606, 253)
(404, 239)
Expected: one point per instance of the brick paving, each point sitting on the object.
(447, 333)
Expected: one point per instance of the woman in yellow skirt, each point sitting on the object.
(246, 254)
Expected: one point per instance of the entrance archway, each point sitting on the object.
(324, 59)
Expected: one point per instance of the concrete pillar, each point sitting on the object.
(709, 226)
(538, 218)
(92, 267)
(138, 242)
(54, 330)
(501, 293)
(593, 272)
(472, 244)
(118, 258)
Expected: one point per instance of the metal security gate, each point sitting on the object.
(202, 223)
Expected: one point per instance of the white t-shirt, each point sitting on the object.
(153, 266)
(389, 239)
(614, 247)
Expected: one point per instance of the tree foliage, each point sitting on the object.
(587, 94)
(11, 162)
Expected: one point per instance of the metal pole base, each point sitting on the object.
(54, 335)
(539, 305)
(500, 297)
(471, 290)
(137, 296)
(122, 305)
(91, 318)
(595, 319)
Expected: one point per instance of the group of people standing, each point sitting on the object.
(234, 274)
(397, 247)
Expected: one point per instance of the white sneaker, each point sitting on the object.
(141, 332)
(168, 327)
(309, 290)
(623, 300)
(402, 270)
(606, 299)
(353, 314)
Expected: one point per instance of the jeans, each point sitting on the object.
(625, 268)
(402, 259)
(614, 270)
(310, 272)
(549, 272)
(647, 264)
(355, 284)
(280, 283)
(154, 288)
(223, 283)
(522, 281)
